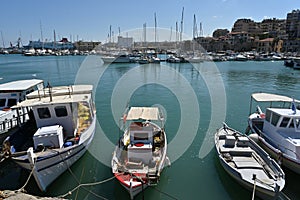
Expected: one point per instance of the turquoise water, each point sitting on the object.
(195, 99)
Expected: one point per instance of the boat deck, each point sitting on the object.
(244, 160)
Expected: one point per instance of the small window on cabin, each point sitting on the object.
(268, 115)
(44, 113)
(2, 102)
(275, 118)
(61, 111)
(11, 102)
(284, 122)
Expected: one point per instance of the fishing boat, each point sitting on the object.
(123, 58)
(289, 63)
(241, 57)
(297, 60)
(278, 128)
(247, 163)
(141, 152)
(59, 131)
(10, 94)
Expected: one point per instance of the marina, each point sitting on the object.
(189, 176)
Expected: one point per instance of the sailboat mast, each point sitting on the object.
(54, 40)
(171, 34)
(176, 31)
(2, 40)
(155, 29)
(42, 35)
(181, 25)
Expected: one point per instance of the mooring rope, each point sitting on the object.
(168, 195)
(82, 184)
(22, 188)
(87, 184)
(254, 186)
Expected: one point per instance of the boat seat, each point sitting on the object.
(131, 164)
(229, 141)
(241, 151)
(242, 141)
(246, 162)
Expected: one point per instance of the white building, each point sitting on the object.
(125, 42)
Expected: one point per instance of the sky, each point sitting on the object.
(90, 20)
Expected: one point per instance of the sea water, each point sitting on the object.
(195, 99)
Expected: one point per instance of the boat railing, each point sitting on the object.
(279, 146)
(8, 124)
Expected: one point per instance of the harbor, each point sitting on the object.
(115, 100)
(189, 176)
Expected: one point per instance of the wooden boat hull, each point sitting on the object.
(261, 192)
(285, 160)
(52, 163)
(140, 155)
(241, 164)
(288, 162)
(131, 184)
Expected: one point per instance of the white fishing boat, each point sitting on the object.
(248, 163)
(194, 59)
(241, 57)
(116, 59)
(278, 128)
(297, 61)
(141, 153)
(10, 94)
(58, 133)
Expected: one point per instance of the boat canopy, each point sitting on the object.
(145, 113)
(75, 93)
(266, 97)
(20, 85)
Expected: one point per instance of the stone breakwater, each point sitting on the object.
(17, 195)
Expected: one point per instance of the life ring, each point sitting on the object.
(262, 115)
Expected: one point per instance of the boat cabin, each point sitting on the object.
(141, 141)
(62, 113)
(282, 120)
(13, 92)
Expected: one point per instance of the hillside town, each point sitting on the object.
(267, 36)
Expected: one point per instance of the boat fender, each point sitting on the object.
(30, 155)
(254, 137)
